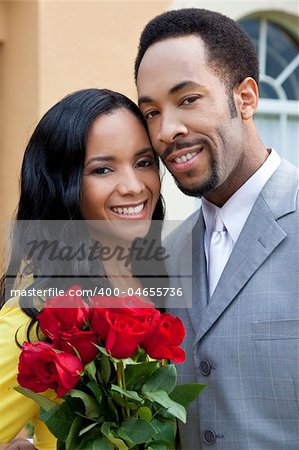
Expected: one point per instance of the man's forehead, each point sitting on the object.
(170, 63)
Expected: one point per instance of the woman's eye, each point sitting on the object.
(145, 163)
(190, 100)
(102, 170)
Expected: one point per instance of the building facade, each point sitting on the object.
(49, 48)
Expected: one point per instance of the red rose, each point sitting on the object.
(64, 320)
(64, 313)
(130, 302)
(41, 368)
(82, 341)
(123, 328)
(164, 341)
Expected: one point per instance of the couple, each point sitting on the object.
(196, 75)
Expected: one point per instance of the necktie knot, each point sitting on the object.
(218, 223)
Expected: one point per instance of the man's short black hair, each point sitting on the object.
(230, 52)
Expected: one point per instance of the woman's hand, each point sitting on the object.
(20, 444)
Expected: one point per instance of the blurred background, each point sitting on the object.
(49, 48)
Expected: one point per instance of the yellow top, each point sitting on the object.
(16, 409)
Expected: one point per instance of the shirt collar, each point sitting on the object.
(236, 210)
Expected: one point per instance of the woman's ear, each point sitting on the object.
(246, 97)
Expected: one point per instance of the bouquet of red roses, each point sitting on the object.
(108, 363)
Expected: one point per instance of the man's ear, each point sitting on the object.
(246, 97)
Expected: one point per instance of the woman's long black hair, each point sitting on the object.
(51, 179)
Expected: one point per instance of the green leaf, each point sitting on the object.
(91, 406)
(162, 412)
(101, 443)
(90, 369)
(95, 442)
(163, 379)
(137, 374)
(86, 429)
(42, 401)
(145, 413)
(104, 352)
(159, 445)
(72, 437)
(172, 407)
(59, 419)
(165, 430)
(112, 411)
(184, 394)
(118, 398)
(98, 394)
(137, 431)
(105, 368)
(107, 431)
(130, 394)
(96, 390)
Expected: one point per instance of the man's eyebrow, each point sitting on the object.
(173, 90)
(144, 99)
(183, 85)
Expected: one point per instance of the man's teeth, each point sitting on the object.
(131, 210)
(185, 158)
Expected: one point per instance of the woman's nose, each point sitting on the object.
(130, 184)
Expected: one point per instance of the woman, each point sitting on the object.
(89, 162)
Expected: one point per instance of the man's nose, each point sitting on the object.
(171, 127)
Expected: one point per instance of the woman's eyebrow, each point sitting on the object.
(113, 158)
(100, 158)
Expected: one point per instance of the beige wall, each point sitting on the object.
(49, 48)
(18, 94)
(90, 44)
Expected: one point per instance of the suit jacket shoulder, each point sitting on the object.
(281, 191)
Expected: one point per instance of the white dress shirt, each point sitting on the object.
(236, 210)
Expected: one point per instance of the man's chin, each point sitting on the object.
(198, 190)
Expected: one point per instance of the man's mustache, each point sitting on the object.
(179, 145)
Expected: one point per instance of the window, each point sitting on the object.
(277, 118)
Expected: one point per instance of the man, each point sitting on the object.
(197, 74)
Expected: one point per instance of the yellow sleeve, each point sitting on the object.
(16, 409)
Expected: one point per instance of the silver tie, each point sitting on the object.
(220, 249)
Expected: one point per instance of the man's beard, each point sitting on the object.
(204, 188)
(212, 181)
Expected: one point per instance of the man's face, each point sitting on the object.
(193, 122)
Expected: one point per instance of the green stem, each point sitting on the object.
(121, 381)
(119, 370)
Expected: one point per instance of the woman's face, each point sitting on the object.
(120, 177)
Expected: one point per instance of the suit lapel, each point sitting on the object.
(195, 290)
(259, 238)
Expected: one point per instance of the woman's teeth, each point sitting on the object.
(185, 158)
(131, 210)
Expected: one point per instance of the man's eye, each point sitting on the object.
(190, 100)
(150, 115)
(101, 170)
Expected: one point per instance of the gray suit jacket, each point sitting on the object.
(244, 341)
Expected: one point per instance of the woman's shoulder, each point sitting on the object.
(14, 322)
